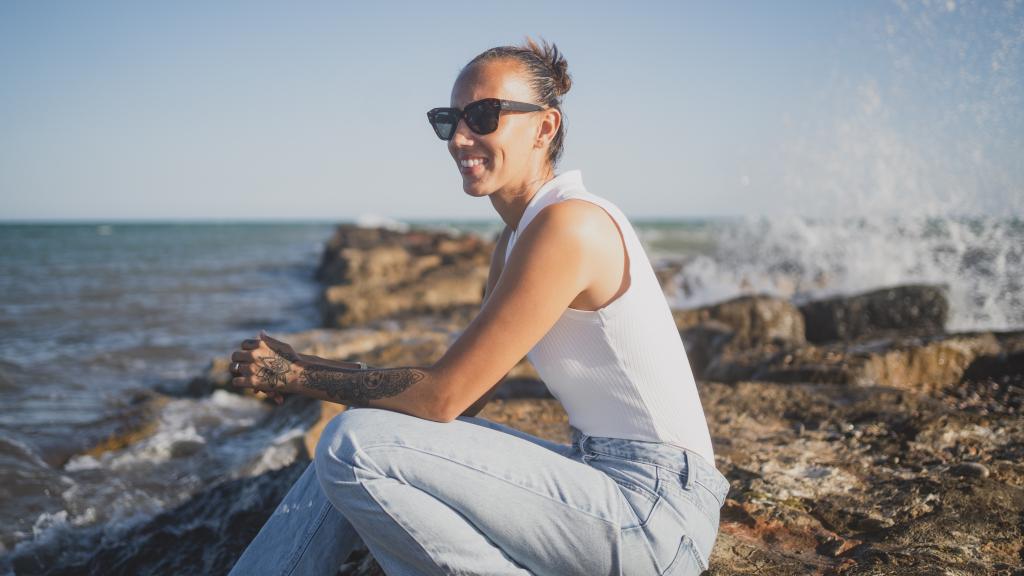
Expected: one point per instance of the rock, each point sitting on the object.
(969, 470)
(343, 260)
(882, 497)
(328, 410)
(435, 291)
(736, 327)
(704, 342)
(903, 310)
(378, 273)
(140, 421)
(205, 535)
(754, 321)
(544, 418)
(926, 364)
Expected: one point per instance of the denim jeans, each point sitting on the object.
(476, 497)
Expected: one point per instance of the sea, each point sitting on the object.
(98, 318)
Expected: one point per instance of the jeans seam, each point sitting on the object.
(696, 503)
(301, 550)
(398, 522)
(638, 460)
(712, 491)
(486, 473)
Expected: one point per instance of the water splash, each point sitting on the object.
(979, 260)
(936, 128)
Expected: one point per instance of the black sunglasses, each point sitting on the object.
(481, 116)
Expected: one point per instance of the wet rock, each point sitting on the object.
(206, 535)
(911, 309)
(139, 421)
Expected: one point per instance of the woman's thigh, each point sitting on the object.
(547, 511)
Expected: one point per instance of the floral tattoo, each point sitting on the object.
(358, 387)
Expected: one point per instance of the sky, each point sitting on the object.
(316, 110)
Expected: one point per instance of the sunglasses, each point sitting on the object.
(481, 116)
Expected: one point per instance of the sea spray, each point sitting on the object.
(979, 260)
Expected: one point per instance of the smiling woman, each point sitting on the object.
(430, 488)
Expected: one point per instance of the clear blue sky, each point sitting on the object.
(274, 110)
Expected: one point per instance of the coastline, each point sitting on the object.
(819, 424)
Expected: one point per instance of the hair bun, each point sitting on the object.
(555, 61)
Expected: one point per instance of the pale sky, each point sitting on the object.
(316, 110)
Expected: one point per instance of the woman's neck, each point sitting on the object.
(510, 202)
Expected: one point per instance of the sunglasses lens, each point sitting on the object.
(443, 120)
(482, 117)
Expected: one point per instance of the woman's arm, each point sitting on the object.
(497, 266)
(269, 365)
(555, 259)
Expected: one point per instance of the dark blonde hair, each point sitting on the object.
(548, 74)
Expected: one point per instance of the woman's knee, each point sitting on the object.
(355, 430)
(340, 436)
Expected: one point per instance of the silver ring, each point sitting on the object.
(234, 367)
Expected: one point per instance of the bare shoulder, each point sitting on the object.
(580, 221)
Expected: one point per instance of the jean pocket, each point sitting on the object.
(637, 482)
(672, 485)
(687, 561)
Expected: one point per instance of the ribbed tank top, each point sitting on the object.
(620, 371)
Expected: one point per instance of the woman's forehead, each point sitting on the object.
(497, 79)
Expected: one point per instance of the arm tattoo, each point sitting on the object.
(358, 387)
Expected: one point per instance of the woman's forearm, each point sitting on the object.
(410, 390)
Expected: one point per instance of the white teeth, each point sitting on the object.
(471, 162)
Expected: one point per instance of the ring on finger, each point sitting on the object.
(235, 367)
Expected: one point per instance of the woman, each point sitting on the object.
(431, 489)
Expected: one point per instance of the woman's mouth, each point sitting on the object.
(472, 166)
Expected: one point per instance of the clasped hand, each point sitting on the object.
(266, 365)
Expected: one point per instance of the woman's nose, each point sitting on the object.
(462, 136)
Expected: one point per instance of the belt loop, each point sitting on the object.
(584, 438)
(688, 481)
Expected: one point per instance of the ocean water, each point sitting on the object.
(95, 316)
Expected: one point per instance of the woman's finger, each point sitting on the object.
(241, 356)
(241, 382)
(250, 344)
(273, 343)
(241, 368)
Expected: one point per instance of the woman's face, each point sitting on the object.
(505, 157)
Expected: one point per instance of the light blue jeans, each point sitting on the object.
(476, 497)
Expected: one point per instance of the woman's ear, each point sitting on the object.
(549, 124)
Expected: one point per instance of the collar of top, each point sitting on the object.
(561, 182)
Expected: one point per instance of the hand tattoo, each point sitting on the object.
(273, 370)
(358, 387)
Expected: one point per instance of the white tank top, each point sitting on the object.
(620, 371)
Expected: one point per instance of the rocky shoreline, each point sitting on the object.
(858, 435)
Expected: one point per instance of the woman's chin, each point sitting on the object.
(474, 187)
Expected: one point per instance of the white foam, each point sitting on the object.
(978, 260)
(377, 220)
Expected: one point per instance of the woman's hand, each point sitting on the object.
(266, 365)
